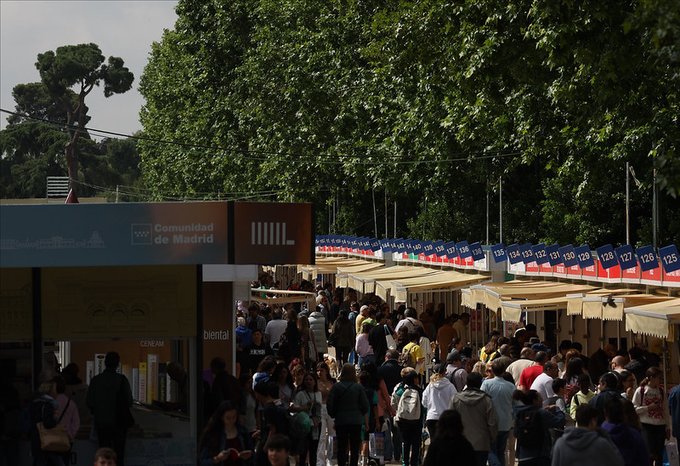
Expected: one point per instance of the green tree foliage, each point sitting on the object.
(49, 123)
(81, 67)
(429, 103)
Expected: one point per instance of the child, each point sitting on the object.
(583, 396)
(278, 450)
(105, 457)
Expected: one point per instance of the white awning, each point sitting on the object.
(655, 319)
(511, 311)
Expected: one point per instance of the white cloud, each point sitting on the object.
(121, 28)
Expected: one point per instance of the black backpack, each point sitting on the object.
(529, 429)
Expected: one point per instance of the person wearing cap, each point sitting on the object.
(455, 370)
(437, 397)
(529, 374)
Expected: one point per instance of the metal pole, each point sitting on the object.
(655, 217)
(395, 219)
(386, 234)
(487, 211)
(627, 203)
(500, 209)
(375, 216)
(116, 194)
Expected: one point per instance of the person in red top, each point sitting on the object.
(529, 374)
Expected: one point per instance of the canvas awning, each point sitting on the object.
(655, 319)
(466, 298)
(344, 271)
(493, 294)
(511, 311)
(365, 281)
(272, 296)
(309, 272)
(610, 306)
(444, 280)
(588, 305)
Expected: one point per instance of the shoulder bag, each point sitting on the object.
(55, 439)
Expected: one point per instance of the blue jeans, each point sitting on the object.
(497, 453)
(369, 358)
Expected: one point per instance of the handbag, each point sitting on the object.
(391, 344)
(55, 439)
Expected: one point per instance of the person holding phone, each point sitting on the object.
(224, 442)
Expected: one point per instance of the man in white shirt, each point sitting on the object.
(409, 321)
(275, 328)
(543, 383)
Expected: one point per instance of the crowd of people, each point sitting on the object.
(353, 381)
(415, 381)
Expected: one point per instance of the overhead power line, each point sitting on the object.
(335, 159)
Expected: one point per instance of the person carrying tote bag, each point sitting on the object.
(48, 441)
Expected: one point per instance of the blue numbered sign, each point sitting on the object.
(498, 252)
(584, 256)
(463, 249)
(477, 251)
(670, 259)
(647, 258)
(514, 254)
(607, 256)
(626, 256)
(553, 254)
(527, 253)
(568, 255)
(540, 255)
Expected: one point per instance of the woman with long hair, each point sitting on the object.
(284, 380)
(449, 440)
(652, 407)
(224, 441)
(325, 383)
(308, 400)
(347, 405)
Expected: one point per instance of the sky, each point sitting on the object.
(123, 28)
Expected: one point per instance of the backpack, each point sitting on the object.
(408, 408)
(406, 358)
(529, 429)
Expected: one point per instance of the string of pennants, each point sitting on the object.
(625, 256)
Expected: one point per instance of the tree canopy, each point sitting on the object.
(427, 104)
(46, 135)
(81, 67)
